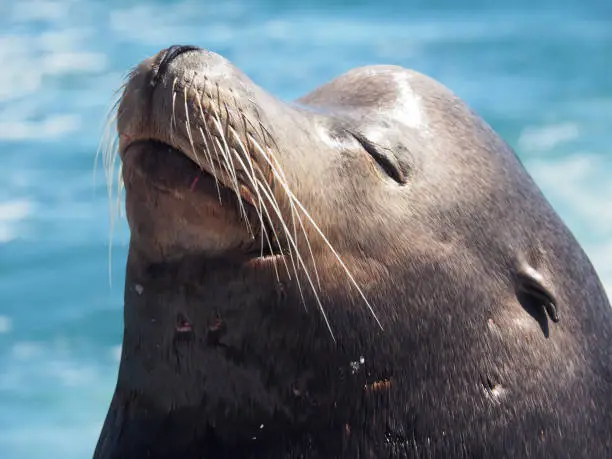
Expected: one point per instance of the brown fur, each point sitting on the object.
(494, 331)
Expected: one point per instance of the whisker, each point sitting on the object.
(108, 149)
(318, 229)
(251, 169)
(173, 116)
(110, 118)
(312, 285)
(293, 217)
(292, 208)
(226, 149)
(206, 147)
(189, 135)
(256, 183)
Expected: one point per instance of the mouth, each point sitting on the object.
(169, 168)
(171, 172)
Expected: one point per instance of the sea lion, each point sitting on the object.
(367, 272)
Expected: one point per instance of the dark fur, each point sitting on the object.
(478, 356)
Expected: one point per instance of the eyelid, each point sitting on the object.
(383, 157)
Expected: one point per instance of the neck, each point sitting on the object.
(255, 375)
(258, 375)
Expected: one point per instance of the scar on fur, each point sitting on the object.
(194, 183)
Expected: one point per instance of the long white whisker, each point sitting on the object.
(207, 149)
(110, 118)
(256, 183)
(312, 285)
(314, 224)
(291, 205)
(189, 135)
(173, 116)
(267, 192)
(225, 150)
(217, 125)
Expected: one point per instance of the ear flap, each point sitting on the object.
(532, 284)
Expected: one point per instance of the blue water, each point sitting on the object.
(541, 75)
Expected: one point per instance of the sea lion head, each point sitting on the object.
(316, 266)
(364, 171)
(225, 138)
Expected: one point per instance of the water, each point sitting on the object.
(539, 75)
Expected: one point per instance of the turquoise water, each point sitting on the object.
(540, 75)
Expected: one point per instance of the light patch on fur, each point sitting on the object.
(494, 328)
(409, 111)
(497, 393)
(323, 134)
(526, 322)
(529, 271)
(383, 384)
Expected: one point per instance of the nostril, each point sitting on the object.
(174, 51)
(170, 54)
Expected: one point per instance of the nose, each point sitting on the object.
(171, 53)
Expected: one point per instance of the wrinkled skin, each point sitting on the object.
(494, 332)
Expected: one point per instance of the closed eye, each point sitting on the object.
(383, 157)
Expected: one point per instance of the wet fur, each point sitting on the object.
(495, 332)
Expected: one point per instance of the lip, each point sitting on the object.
(169, 170)
(180, 175)
(195, 174)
